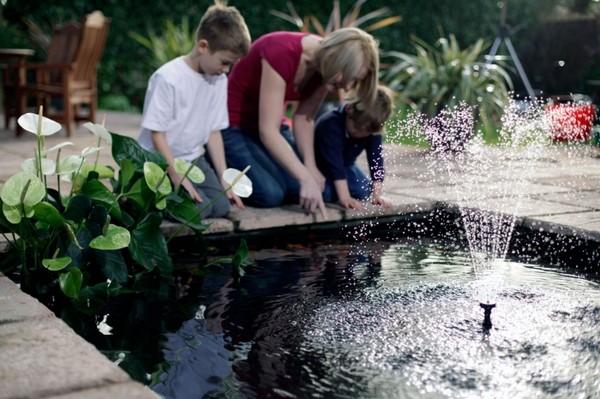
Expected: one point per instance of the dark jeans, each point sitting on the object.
(359, 184)
(272, 186)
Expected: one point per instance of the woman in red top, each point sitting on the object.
(299, 67)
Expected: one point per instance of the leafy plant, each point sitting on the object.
(444, 75)
(99, 237)
(173, 41)
(352, 18)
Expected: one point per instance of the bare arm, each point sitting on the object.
(304, 128)
(217, 156)
(159, 139)
(272, 94)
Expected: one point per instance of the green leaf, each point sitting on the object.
(23, 188)
(104, 172)
(148, 245)
(12, 213)
(98, 192)
(70, 282)
(91, 299)
(113, 265)
(57, 263)
(126, 172)
(116, 238)
(194, 173)
(185, 211)
(157, 179)
(78, 208)
(241, 254)
(47, 213)
(127, 148)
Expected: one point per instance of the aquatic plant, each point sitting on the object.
(99, 238)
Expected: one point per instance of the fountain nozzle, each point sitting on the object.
(487, 314)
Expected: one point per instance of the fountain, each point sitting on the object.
(396, 311)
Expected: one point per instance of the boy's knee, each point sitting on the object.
(214, 209)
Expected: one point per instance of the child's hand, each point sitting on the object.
(189, 187)
(351, 203)
(380, 200)
(234, 199)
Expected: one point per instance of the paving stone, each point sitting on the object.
(589, 199)
(522, 207)
(16, 306)
(583, 224)
(43, 356)
(129, 390)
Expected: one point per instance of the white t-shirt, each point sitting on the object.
(186, 105)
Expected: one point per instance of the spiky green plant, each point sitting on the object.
(172, 41)
(444, 75)
(310, 23)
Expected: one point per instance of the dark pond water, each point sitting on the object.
(391, 319)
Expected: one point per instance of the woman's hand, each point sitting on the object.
(310, 196)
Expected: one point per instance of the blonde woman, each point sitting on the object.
(300, 67)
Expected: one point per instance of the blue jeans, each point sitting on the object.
(272, 186)
(359, 184)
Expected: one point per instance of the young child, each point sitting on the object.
(186, 106)
(341, 135)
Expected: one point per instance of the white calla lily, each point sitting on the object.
(241, 185)
(90, 150)
(57, 147)
(100, 131)
(29, 122)
(30, 165)
(68, 164)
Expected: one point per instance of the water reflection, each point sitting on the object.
(395, 320)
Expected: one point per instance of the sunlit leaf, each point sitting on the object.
(162, 203)
(104, 172)
(99, 130)
(29, 122)
(70, 282)
(12, 191)
(116, 238)
(156, 178)
(57, 264)
(12, 213)
(241, 184)
(195, 174)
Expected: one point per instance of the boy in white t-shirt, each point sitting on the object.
(186, 106)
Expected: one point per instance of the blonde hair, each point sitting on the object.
(224, 28)
(372, 118)
(346, 51)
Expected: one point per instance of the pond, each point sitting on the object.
(384, 318)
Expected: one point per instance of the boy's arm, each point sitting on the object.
(216, 151)
(344, 198)
(378, 198)
(159, 139)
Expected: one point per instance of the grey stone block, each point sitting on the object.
(42, 356)
(17, 306)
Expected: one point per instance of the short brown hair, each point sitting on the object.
(224, 28)
(372, 118)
